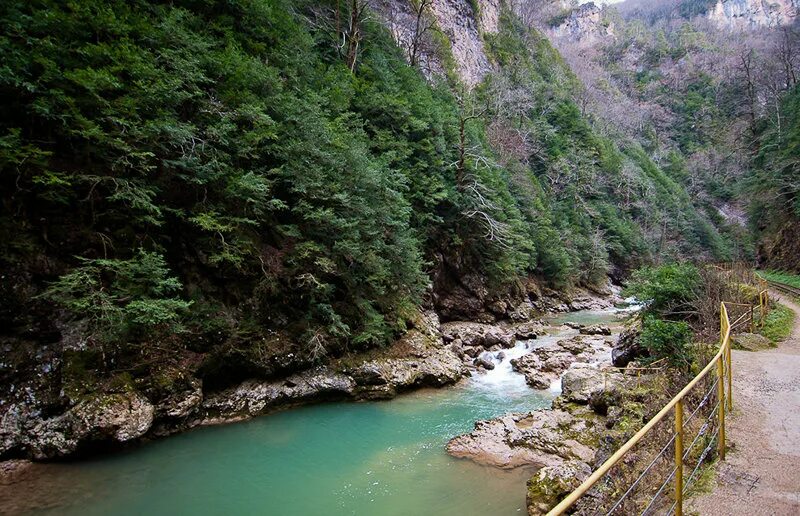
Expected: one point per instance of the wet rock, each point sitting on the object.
(750, 342)
(627, 348)
(501, 356)
(121, 417)
(530, 330)
(254, 397)
(369, 373)
(473, 352)
(578, 344)
(117, 417)
(595, 330)
(552, 483)
(485, 360)
(530, 366)
(540, 438)
(183, 403)
(574, 325)
(497, 337)
(478, 334)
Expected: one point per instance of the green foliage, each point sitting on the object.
(232, 137)
(666, 287)
(782, 277)
(667, 339)
(119, 297)
(778, 324)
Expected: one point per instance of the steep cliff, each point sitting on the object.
(753, 14)
(585, 25)
(453, 33)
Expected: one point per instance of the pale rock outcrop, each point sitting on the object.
(753, 14)
(117, 417)
(585, 25)
(540, 438)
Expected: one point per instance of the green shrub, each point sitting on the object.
(667, 339)
(666, 287)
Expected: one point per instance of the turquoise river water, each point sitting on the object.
(377, 458)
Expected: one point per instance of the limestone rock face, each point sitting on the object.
(585, 25)
(254, 397)
(118, 417)
(478, 334)
(753, 14)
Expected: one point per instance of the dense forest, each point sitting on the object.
(254, 187)
(223, 169)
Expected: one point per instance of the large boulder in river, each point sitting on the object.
(583, 382)
(540, 438)
(485, 360)
(530, 330)
(595, 329)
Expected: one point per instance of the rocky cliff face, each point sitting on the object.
(584, 25)
(458, 22)
(753, 14)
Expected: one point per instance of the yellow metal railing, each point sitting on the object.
(720, 364)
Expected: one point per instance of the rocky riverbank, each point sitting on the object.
(598, 408)
(431, 354)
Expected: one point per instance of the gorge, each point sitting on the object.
(221, 212)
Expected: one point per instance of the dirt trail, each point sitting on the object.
(761, 473)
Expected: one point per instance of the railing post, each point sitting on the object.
(721, 409)
(679, 458)
(730, 373)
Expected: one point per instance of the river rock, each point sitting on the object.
(581, 383)
(545, 364)
(552, 483)
(595, 329)
(750, 342)
(530, 366)
(477, 334)
(529, 330)
(627, 348)
(540, 438)
(485, 360)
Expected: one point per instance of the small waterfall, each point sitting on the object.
(503, 379)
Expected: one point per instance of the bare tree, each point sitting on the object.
(345, 24)
(424, 22)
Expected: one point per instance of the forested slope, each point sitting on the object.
(246, 188)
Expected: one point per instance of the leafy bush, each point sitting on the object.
(667, 339)
(665, 288)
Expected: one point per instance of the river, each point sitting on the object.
(383, 458)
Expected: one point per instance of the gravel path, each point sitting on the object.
(761, 473)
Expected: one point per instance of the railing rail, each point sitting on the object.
(720, 365)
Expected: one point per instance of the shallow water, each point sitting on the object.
(383, 458)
